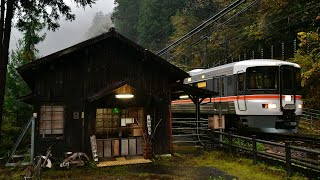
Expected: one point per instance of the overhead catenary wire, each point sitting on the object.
(165, 29)
(241, 36)
(215, 29)
(269, 24)
(201, 26)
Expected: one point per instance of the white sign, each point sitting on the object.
(94, 148)
(149, 124)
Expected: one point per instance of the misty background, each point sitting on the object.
(89, 22)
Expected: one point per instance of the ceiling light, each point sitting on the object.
(124, 96)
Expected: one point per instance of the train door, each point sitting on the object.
(241, 95)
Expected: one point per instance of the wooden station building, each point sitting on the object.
(75, 93)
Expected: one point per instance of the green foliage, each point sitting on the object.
(146, 22)
(126, 17)
(155, 24)
(308, 57)
(16, 113)
(45, 12)
(246, 144)
(90, 164)
(29, 16)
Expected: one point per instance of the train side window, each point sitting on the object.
(241, 82)
(230, 90)
(210, 84)
(216, 87)
(222, 85)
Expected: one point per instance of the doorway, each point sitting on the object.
(119, 132)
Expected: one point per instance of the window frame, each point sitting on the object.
(42, 120)
(259, 78)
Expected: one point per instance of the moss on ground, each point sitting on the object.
(185, 164)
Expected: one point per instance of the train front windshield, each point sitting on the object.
(265, 79)
(262, 78)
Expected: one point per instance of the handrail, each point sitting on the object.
(309, 114)
(286, 157)
(21, 136)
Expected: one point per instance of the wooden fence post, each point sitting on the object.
(288, 158)
(230, 142)
(212, 140)
(254, 149)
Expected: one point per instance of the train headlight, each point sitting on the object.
(269, 106)
(300, 106)
(184, 97)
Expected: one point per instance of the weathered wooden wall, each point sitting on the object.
(72, 78)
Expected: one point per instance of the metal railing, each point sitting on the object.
(310, 114)
(311, 119)
(285, 157)
(189, 130)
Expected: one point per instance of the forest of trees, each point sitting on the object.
(279, 29)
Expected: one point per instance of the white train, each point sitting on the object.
(260, 94)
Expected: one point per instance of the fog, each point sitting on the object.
(69, 33)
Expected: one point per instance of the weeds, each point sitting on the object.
(245, 143)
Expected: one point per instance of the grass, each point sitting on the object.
(241, 167)
(191, 158)
(306, 127)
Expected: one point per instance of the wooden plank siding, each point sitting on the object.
(69, 77)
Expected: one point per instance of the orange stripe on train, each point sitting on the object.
(234, 98)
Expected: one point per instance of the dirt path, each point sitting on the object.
(180, 166)
(158, 171)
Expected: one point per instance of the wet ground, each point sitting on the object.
(180, 166)
(159, 171)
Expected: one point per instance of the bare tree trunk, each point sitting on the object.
(5, 31)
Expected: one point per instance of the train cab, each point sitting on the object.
(259, 94)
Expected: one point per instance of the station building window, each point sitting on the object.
(51, 121)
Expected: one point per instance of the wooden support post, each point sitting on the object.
(32, 139)
(288, 158)
(254, 150)
(230, 142)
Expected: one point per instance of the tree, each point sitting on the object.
(154, 25)
(15, 111)
(308, 57)
(126, 17)
(48, 12)
(101, 23)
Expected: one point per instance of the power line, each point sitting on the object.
(201, 26)
(224, 23)
(241, 36)
(165, 27)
